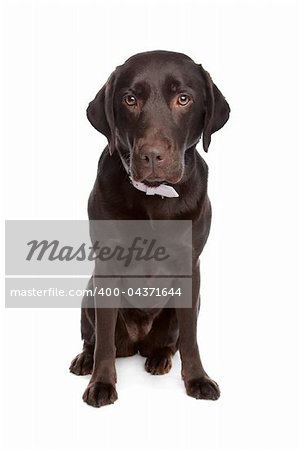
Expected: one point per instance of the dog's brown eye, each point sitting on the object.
(183, 99)
(130, 100)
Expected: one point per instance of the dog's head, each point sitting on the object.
(155, 107)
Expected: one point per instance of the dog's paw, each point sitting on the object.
(82, 364)
(100, 394)
(159, 362)
(203, 388)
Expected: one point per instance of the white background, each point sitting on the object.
(56, 56)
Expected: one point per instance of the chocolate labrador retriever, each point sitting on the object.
(153, 111)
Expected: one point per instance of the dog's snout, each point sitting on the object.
(156, 160)
(151, 155)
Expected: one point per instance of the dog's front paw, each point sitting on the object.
(203, 388)
(100, 394)
(82, 364)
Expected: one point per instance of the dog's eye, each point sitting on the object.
(130, 100)
(183, 99)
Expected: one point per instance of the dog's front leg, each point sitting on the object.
(101, 389)
(198, 384)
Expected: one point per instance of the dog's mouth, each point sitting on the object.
(154, 182)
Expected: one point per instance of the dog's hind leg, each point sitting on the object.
(160, 344)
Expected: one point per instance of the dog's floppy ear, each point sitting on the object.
(217, 109)
(100, 112)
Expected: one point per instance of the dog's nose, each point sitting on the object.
(151, 155)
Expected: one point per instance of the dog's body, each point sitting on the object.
(153, 110)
